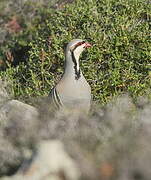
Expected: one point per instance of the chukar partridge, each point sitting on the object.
(72, 91)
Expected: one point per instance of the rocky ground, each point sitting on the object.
(111, 143)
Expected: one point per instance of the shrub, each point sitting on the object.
(118, 62)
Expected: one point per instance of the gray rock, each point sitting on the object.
(49, 162)
(19, 117)
(18, 126)
(4, 96)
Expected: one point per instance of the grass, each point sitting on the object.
(118, 62)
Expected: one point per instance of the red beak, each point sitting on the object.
(87, 45)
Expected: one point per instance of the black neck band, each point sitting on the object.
(77, 72)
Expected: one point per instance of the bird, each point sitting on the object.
(72, 91)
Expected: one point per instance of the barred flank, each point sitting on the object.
(56, 101)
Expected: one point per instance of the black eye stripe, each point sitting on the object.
(78, 44)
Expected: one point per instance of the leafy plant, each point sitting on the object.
(118, 62)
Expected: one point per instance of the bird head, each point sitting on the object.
(73, 51)
(77, 46)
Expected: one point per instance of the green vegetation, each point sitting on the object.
(119, 61)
